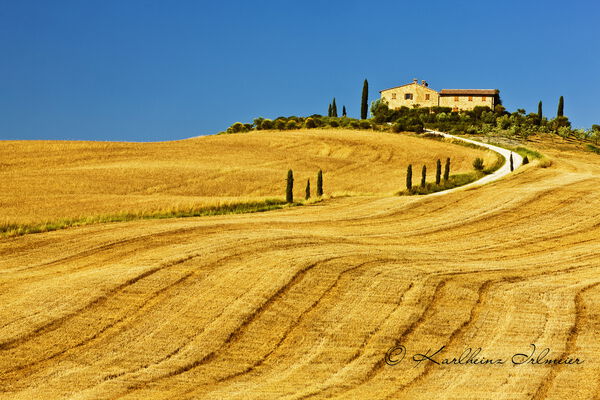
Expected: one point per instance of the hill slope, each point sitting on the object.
(305, 302)
(42, 181)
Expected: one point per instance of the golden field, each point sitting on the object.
(304, 302)
(44, 181)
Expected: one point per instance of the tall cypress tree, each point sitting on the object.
(512, 166)
(438, 172)
(333, 109)
(364, 106)
(447, 169)
(423, 175)
(409, 177)
(307, 195)
(329, 110)
(561, 107)
(344, 111)
(320, 183)
(540, 110)
(289, 192)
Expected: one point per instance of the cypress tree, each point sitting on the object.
(438, 172)
(512, 166)
(320, 183)
(329, 110)
(561, 107)
(423, 176)
(289, 192)
(447, 169)
(364, 106)
(307, 196)
(333, 109)
(409, 177)
(540, 110)
(344, 111)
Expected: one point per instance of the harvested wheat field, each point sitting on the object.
(305, 302)
(45, 181)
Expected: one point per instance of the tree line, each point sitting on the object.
(438, 174)
(289, 191)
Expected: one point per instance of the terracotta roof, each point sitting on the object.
(408, 84)
(488, 92)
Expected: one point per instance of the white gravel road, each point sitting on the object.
(502, 171)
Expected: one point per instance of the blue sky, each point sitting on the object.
(134, 70)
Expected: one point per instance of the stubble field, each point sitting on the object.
(305, 302)
(45, 181)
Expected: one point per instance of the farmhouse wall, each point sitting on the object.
(417, 93)
(459, 102)
(422, 95)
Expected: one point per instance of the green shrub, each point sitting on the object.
(559, 122)
(310, 123)
(479, 110)
(279, 124)
(416, 127)
(503, 122)
(398, 127)
(236, 128)
(334, 123)
(364, 124)
(478, 164)
(472, 130)
(266, 124)
(344, 121)
(258, 123)
(291, 125)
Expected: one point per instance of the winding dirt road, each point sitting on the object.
(499, 173)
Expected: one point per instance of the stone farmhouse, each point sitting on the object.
(420, 94)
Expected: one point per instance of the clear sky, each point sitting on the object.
(135, 70)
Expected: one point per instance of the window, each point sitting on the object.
(408, 96)
(427, 97)
(455, 109)
(393, 96)
(470, 98)
(455, 98)
(483, 98)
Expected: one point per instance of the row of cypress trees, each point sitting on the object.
(438, 174)
(364, 104)
(289, 192)
(332, 111)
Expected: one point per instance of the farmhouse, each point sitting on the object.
(420, 94)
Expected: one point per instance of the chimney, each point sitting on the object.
(415, 81)
(424, 83)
